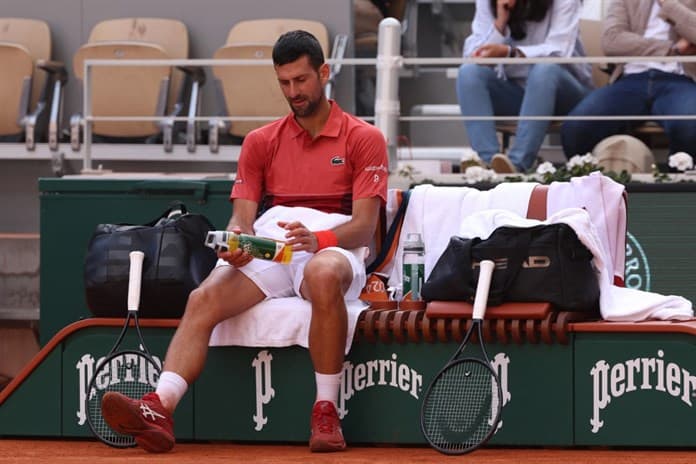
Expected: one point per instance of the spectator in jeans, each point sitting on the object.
(651, 28)
(520, 28)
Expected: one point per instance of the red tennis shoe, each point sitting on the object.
(145, 419)
(326, 428)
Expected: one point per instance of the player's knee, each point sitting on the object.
(326, 274)
(201, 304)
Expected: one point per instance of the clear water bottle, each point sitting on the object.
(413, 270)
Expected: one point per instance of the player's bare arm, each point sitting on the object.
(242, 220)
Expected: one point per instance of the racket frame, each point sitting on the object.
(133, 302)
(480, 302)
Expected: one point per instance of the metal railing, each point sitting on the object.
(389, 65)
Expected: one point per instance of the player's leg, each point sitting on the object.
(329, 278)
(225, 293)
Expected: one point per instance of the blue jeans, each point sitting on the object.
(550, 90)
(649, 93)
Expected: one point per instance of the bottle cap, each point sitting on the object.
(413, 240)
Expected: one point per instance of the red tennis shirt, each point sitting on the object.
(281, 164)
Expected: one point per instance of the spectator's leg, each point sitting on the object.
(677, 95)
(627, 96)
(551, 90)
(481, 93)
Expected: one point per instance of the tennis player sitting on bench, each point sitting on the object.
(316, 160)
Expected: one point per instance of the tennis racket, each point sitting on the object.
(461, 407)
(131, 372)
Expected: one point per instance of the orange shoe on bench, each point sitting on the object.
(326, 435)
(145, 419)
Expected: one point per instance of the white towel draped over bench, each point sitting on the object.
(277, 322)
(438, 212)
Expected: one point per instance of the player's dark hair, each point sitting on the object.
(292, 45)
(523, 12)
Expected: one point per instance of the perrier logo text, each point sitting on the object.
(610, 381)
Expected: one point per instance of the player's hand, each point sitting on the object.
(492, 51)
(503, 8)
(238, 257)
(299, 237)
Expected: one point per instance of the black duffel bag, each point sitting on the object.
(544, 263)
(176, 262)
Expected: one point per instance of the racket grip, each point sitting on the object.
(135, 274)
(486, 268)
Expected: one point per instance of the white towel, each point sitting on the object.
(615, 303)
(437, 213)
(277, 322)
(604, 200)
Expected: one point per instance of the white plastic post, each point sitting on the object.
(387, 109)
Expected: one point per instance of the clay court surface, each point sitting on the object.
(87, 451)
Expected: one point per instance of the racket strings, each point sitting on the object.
(460, 410)
(132, 374)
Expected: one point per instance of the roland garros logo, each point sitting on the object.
(637, 270)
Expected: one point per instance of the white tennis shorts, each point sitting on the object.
(283, 280)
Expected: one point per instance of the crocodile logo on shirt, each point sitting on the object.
(337, 160)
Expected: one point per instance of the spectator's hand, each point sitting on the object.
(299, 237)
(502, 13)
(684, 47)
(492, 51)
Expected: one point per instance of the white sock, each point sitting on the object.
(171, 387)
(327, 387)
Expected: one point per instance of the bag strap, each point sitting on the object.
(391, 241)
(176, 210)
(537, 202)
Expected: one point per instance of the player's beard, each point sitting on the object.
(308, 110)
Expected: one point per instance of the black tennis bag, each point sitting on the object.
(544, 263)
(176, 262)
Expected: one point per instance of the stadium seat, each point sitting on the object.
(25, 93)
(138, 91)
(253, 91)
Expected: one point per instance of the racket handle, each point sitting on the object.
(135, 275)
(486, 268)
